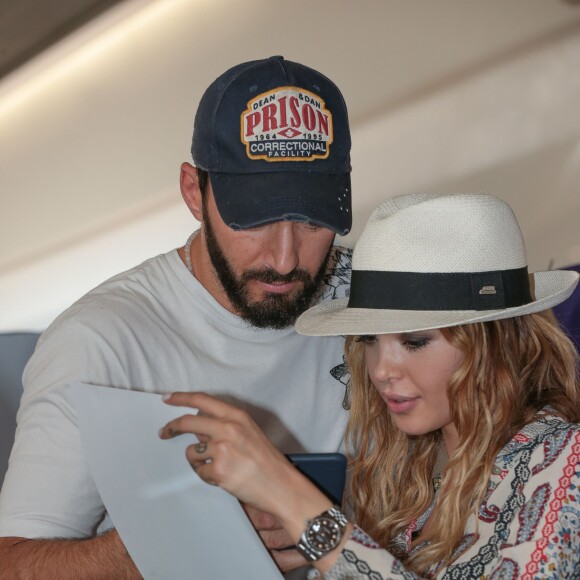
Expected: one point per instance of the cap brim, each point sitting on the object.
(254, 199)
(334, 318)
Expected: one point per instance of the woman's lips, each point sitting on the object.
(400, 404)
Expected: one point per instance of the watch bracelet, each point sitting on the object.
(312, 553)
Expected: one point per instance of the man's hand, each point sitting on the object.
(276, 539)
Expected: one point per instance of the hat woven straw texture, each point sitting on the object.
(436, 234)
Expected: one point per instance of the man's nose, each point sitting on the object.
(283, 245)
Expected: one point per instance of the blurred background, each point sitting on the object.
(97, 100)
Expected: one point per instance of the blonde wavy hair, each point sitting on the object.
(511, 369)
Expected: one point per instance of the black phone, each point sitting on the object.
(326, 470)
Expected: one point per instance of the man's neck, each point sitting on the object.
(202, 270)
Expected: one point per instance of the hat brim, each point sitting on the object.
(254, 199)
(334, 318)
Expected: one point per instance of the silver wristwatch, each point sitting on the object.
(322, 534)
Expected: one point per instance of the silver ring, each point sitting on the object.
(200, 447)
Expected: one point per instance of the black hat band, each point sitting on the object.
(439, 291)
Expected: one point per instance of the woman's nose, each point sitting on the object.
(384, 366)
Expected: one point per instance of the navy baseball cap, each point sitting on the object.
(274, 137)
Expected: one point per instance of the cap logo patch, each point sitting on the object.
(287, 124)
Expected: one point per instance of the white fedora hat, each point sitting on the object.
(429, 261)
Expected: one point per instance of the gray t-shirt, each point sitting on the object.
(156, 329)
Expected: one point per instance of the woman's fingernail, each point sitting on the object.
(166, 396)
(166, 432)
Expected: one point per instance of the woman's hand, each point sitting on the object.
(234, 454)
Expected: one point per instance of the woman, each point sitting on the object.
(454, 364)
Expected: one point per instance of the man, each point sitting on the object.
(271, 187)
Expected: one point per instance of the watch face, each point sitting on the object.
(324, 534)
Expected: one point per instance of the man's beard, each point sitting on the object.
(274, 310)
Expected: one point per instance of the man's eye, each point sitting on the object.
(367, 339)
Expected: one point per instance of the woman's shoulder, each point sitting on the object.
(548, 431)
(547, 423)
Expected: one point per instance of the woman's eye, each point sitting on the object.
(367, 339)
(415, 343)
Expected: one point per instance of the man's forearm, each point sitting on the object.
(102, 557)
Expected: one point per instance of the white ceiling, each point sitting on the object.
(28, 27)
(92, 132)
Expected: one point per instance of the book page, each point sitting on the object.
(174, 525)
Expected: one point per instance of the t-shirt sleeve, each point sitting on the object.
(48, 490)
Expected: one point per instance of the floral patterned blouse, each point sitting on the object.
(529, 523)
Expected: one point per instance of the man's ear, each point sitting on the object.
(190, 191)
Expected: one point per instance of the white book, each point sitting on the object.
(174, 525)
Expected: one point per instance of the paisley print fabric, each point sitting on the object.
(529, 522)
